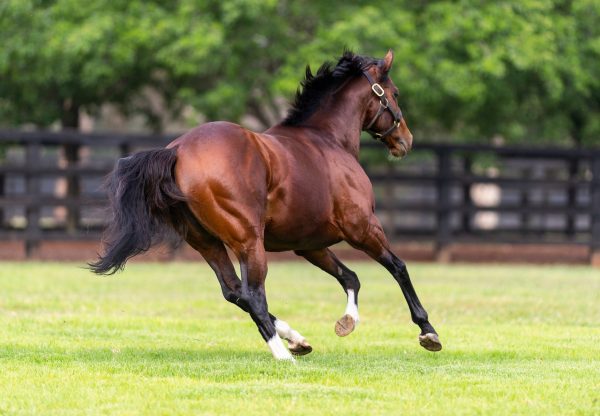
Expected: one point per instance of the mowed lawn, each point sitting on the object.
(159, 339)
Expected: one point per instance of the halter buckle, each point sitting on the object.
(377, 89)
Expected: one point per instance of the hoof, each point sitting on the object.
(344, 326)
(430, 342)
(299, 348)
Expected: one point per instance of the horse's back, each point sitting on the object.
(217, 151)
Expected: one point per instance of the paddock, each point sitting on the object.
(159, 339)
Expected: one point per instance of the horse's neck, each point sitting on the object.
(342, 120)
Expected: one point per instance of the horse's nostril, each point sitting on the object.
(405, 144)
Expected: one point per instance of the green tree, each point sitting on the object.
(467, 69)
(236, 78)
(58, 57)
(471, 70)
(65, 55)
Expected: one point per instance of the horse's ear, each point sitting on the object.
(387, 61)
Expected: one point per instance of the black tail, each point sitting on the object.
(145, 201)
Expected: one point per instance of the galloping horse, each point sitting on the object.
(297, 186)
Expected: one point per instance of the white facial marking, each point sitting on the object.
(285, 331)
(351, 308)
(280, 352)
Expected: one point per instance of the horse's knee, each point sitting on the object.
(399, 265)
(400, 271)
(393, 264)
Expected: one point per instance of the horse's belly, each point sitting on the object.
(300, 230)
(316, 241)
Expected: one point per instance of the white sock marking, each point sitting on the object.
(287, 332)
(351, 308)
(280, 352)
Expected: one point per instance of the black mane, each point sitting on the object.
(328, 78)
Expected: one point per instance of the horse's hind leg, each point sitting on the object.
(297, 344)
(328, 262)
(375, 244)
(215, 254)
(253, 265)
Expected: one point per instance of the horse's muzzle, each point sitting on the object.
(400, 149)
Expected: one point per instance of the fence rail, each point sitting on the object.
(50, 190)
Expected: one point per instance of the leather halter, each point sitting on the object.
(383, 105)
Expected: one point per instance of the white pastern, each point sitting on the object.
(280, 352)
(351, 308)
(287, 332)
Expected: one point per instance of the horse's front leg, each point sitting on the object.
(375, 244)
(328, 262)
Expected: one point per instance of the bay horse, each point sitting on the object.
(297, 186)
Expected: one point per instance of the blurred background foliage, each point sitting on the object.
(523, 71)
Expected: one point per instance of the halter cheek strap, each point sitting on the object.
(383, 106)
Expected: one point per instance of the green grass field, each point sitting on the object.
(159, 339)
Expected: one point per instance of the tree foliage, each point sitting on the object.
(467, 69)
(60, 56)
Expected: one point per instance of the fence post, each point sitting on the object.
(524, 216)
(73, 187)
(595, 211)
(125, 149)
(388, 198)
(443, 182)
(2, 195)
(32, 210)
(467, 200)
(572, 197)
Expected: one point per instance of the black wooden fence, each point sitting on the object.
(50, 189)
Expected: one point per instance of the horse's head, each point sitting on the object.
(384, 120)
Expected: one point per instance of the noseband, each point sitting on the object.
(383, 105)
